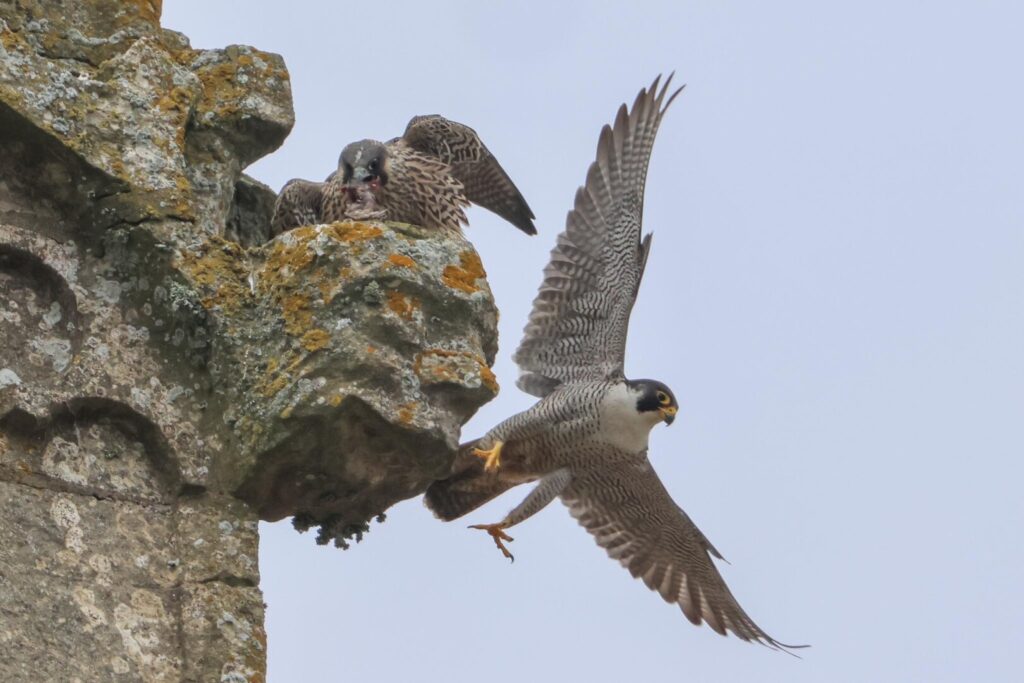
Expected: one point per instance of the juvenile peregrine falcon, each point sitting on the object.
(426, 177)
(586, 439)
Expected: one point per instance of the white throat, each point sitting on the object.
(621, 424)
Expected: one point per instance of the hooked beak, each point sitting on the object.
(668, 414)
(361, 175)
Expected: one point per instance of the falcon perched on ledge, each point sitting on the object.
(427, 177)
(585, 440)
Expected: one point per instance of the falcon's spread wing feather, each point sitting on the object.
(471, 163)
(577, 330)
(629, 512)
(299, 203)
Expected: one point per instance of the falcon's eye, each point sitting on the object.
(372, 166)
(663, 398)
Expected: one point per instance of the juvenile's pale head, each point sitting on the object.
(365, 161)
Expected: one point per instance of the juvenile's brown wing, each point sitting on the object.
(299, 203)
(632, 516)
(472, 164)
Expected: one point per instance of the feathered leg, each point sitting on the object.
(543, 493)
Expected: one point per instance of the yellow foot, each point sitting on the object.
(491, 458)
(497, 532)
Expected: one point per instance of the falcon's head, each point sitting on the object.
(364, 162)
(654, 399)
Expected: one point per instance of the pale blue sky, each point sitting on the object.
(836, 296)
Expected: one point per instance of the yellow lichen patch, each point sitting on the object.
(403, 305)
(286, 259)
(269, 383)
(314, 340)
(150, 10)
(401, 260)
(440, 370)
(223, 91)
(274, 386)
(12, 40)
(178, 102)
(326, 288)
(407, 412)
(354, 232)
(336, 399)
(464, 276)
(216, 269)
(487, 377)
(296, 313)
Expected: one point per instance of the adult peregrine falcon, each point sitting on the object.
(586, 439)
(426, 177)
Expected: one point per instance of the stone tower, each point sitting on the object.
(167, 376)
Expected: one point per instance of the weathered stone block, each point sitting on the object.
(167, 375)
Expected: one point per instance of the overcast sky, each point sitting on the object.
(835, 294)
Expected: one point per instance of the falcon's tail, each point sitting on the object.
(466, 490)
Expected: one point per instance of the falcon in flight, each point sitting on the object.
(427, 177)
(586, 439)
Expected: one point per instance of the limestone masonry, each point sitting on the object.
(167, 376)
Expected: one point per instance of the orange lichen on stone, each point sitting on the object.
(12, 40)
(354, 232)
(449, 372)
(336, 399)
(401, 260)
(223, 91)
(216, 267)
(464, 276)
(403, 305)
(274, 386)
(296, 313)
(149, 10)
(487, 377)
(286, 258)
(314, 340)
(407, 412)
(272, 382)
(326, 288)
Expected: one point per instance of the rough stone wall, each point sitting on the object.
(167, 378)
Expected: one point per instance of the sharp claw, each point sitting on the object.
(498, 534)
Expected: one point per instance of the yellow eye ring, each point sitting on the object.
(663, 398)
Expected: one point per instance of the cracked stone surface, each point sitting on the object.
(168, 376)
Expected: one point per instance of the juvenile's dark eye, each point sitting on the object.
(663, 398)
(372, 166)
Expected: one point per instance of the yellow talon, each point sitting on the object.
(491, 458)
(497, 532)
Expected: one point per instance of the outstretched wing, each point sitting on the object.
(472, 164)
(631, 515)
(577, 330)
(299, 203)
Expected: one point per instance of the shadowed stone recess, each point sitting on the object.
(168, 377)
